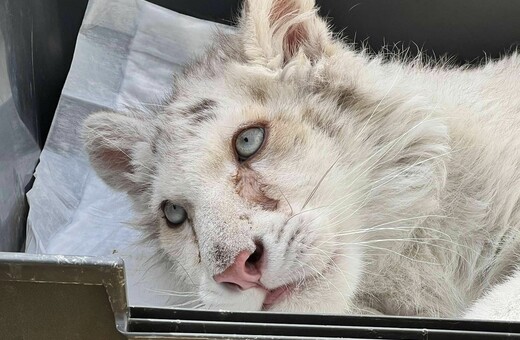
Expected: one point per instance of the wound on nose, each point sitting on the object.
(249, 186)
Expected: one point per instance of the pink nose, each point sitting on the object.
(245, 270)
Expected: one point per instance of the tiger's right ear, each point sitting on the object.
(115, 143)
(275, 31)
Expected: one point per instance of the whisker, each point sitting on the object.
(290, 206)
(172, 292)
(401, 255)
(313, 192)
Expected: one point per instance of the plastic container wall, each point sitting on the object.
(36, 44)
(19, 148)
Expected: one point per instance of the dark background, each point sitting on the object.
(40, 36)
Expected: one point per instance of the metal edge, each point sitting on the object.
(188, 336)
(83, 270)
(163, 313)
(363, 332)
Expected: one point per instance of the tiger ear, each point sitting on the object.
(115, 143)
(275, 31)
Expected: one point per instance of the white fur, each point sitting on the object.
(397, 183)
(500, 303)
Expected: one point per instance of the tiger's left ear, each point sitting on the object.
(275, 31)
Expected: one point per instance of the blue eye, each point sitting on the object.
(249, 142)
(174, 214)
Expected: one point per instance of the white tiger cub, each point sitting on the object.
(288, 172)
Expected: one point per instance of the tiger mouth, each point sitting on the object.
(277, 295)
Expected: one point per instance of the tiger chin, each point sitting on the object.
(287, 171)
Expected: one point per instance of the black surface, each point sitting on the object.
(222, 11)
(332, 320)
(300, 325)
(466, 30)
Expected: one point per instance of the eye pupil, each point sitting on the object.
(246, 140)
